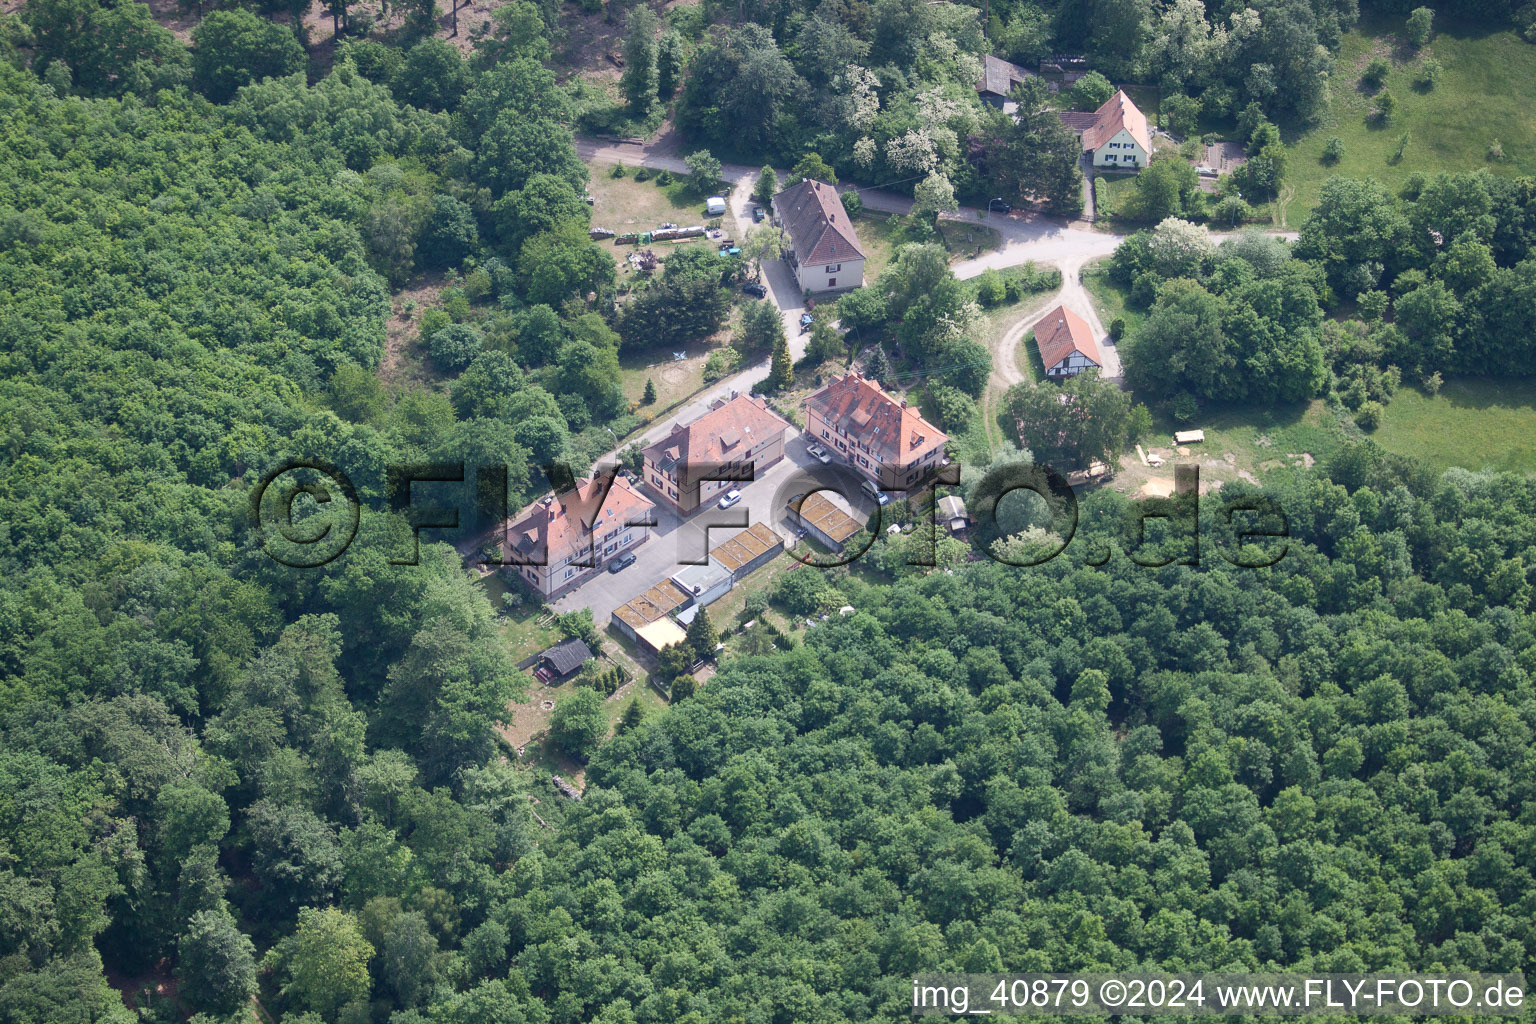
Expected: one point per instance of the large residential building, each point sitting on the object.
(734, 435)
(1115, 135)
(562, 539)
(882, 437)
(825, 252)
(1066, 343)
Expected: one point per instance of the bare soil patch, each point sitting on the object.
(401, 363)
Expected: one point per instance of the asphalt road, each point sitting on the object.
(676, 541)
(1025, 237)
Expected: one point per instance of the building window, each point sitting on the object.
(834, 268)
(832, 282)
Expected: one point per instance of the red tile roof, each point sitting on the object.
(1060, 333)
(818, 225)
(558, 526)
(883, 424)
(724, 434)
(1118, 112)
(1078, 120)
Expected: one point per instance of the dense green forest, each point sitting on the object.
(223, 779)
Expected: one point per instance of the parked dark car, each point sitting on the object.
(999, 206)
(754, 289)
(622, 562)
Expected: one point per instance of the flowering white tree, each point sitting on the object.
(913, 152)
(934, 195)
(864, 151)
(1178, 247)
(861, 88)
(1182, 48)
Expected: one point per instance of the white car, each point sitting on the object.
(732, 497)
(819, 453)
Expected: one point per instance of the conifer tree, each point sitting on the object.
(782, 373)
(702, 636)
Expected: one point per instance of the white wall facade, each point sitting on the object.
(1071, 366)
(1121, 152)
(833, 277)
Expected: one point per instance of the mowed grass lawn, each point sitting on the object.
(1114, 190)
(1110, 299)
(625, 206)
(881, 234)
(1475, 422)
(1486, 93)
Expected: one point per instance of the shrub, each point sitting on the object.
(1496, 150)
(852, 202)
(579, 723)
(642, 174)
(618, 171)
(663, 178)
(1232, 211)
(1433, 383)
(1386, 105)
(991, 290)
(1180, 114)
(1429, 74)
(1420, 24)
(1184, 407)
(1091, 92)
(455, 346)
(1372, 305)
(432, 321)
(1369, 415)
(703, 171)
(1333, 150)
(1117, 328)
(1375, 72)
(956, 409)
(720, 362)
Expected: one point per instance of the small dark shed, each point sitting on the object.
(562, 660)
